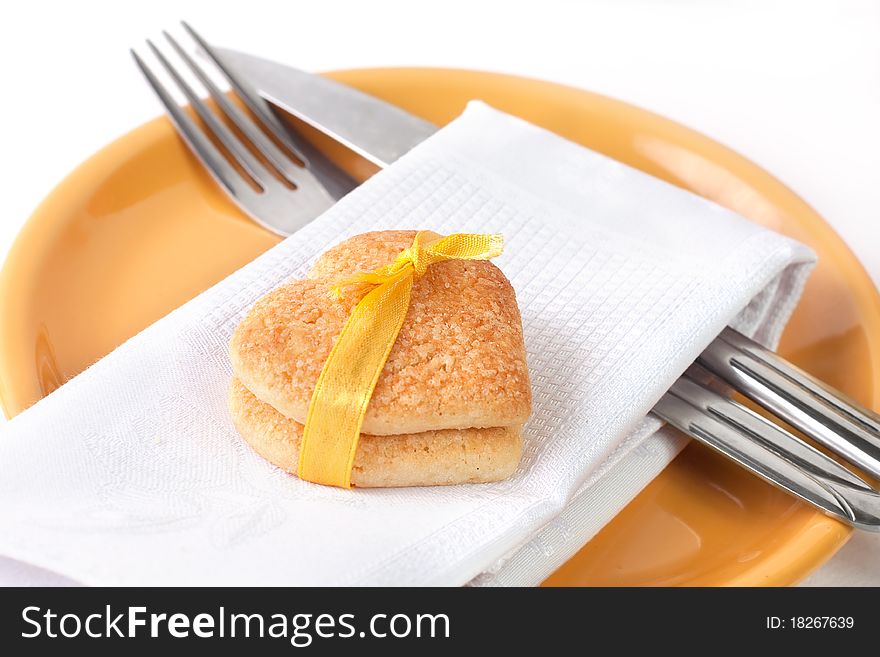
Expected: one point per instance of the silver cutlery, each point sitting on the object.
(770, 452)
(282, 183)
(382, 133)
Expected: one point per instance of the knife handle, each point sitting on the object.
(821, 412)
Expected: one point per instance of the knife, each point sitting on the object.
(382, 133)
(372, 128)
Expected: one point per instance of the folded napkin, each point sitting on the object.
(132, 473)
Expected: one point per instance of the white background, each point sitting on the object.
(794, 86)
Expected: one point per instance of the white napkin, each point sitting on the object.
(133, 474)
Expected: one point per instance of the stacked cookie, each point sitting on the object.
(451, 399)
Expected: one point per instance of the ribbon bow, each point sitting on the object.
(345, 385)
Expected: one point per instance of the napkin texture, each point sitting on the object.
(132, 473)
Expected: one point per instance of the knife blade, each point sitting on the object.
(376, 130)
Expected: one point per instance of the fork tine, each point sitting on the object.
(213, 160)
(331, 177)
(224, 135)
(258, 138)
(253, 102)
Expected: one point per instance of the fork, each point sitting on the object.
(691, 405)
(285, 178)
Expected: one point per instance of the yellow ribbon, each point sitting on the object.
(345, 385)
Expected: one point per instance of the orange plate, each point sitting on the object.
(140, 228)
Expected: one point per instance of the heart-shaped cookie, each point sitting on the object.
(429, 458)
(458, 362)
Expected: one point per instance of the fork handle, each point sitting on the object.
(765, 449)
(821, 412)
